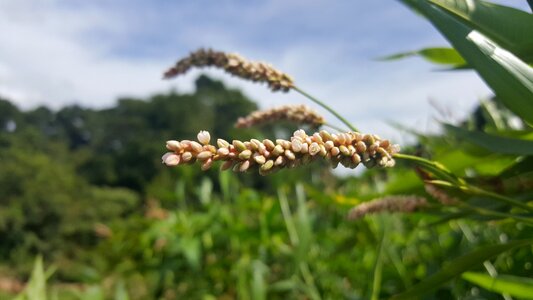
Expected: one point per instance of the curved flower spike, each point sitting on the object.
(349, 149)
(234, 64)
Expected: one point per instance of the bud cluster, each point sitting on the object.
(235, 65)
(391, 204)
(349, 149)
(299, 114)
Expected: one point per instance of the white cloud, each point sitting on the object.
(51, 55)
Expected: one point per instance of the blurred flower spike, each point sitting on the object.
(233, 64)
(298, 114)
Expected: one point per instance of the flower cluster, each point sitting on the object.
(349, 149)
(235, 65)
(389, 204)
(299, 114)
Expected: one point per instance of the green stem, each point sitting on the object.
(511, 201)
(459, 183)
(334, 127)
(286, 212)
(308, 279)
(437, 168)
(378, 267)
(492, 213)
(325, 106)
(470, 189)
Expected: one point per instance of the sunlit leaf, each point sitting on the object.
(507, 26)
(508, 76)
(438, 55)
(504, 284)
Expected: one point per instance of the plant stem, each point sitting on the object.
(334, 127)
(308, 279)
(437, 168)
(378, 266)
(286, 212)
(492, 213)
(511, 201)
(325, 106)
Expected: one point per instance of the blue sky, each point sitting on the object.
(91, 52)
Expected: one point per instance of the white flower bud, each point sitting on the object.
(222, 143)
(296, 145)
(204, 137)
(245, 154)
(314, 149)
(171, 159)
(207, 164)
(204, 155)
(173, 145)
(290, 155)
(278, 150)
(196, 147)
(260, 159)
(279, 161)
(223, 151)
(244, 166)
(186, 156)
(300, 133)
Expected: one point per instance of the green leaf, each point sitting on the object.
(283, 285)
(504, 284)
(509, 77)
(492, 142)
(519, 168)
(120, 291)
(191, 249)
(438, 55)
(458, 266)
(507, 26)
(434, 167)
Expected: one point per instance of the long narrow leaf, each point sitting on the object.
(493, 143)
(504, 284)
(458, 266)
(520, 168)
(434, 167)
(507, 26)
(509, 77)
(438, 55)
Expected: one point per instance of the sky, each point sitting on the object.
(90, 53)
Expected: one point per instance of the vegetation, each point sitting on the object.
(85, 192)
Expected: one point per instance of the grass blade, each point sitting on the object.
(458, 266)
(504, 284)
(507, 26)
(493, 143)
(508, 76)
(437, 55)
